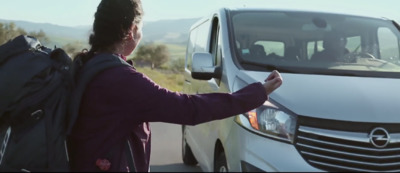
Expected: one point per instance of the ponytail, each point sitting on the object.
(80, 60)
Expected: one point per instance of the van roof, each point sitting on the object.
(288, 9)
(250, 8)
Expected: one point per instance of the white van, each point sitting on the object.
(337, 110)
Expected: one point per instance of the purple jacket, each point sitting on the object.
(119, 104)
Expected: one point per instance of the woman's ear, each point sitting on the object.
(135, 30)
(129, 35)
(131, 32)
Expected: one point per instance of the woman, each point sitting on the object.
(119, 103)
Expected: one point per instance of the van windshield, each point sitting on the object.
(317, 43)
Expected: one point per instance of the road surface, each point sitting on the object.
(166, 150)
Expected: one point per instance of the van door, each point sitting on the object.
(202, 40)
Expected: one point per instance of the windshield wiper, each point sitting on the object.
(271, 67)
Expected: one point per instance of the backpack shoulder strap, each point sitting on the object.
(93, 67)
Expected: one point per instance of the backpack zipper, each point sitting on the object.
(4, 144)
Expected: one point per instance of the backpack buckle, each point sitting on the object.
(37, 114)
(4, 144)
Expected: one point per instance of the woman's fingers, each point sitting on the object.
(273, 75)
(273, 81)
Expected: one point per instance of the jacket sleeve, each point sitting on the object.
(145, 101)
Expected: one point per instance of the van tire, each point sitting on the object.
(220, 163)
(187, 154)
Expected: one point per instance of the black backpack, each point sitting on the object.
(39, 103)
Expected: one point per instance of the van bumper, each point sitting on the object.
(247, 151)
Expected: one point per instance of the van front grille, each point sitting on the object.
(339, 150)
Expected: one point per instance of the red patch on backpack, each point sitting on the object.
(103, 164)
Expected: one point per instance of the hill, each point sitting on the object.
(163, 31)
(168, 31)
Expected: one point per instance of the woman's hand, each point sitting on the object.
(273, 81)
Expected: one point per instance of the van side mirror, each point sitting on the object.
(203, 67)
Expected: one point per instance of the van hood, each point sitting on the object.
(361, 99)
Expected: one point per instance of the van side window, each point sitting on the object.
(190, 49)
(314, 47)
(198, 41)
(202, 37)
(353, 44)
(272, 47)
(214, 48)
(215, 43)
(389, 45)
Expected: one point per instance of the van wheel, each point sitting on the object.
(187, 154)
(220, 163)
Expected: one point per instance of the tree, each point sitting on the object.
(9, 31)
(41, 36)
(154, 55)
(178, 65)
(73, 48)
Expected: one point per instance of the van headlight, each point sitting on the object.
(269, 121)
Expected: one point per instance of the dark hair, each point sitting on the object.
(112, 21)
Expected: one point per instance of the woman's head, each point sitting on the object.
(117, 21)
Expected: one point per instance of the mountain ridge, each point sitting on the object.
(173, 31)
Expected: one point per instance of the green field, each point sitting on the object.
(171, 81)
(176, 51)
(168, 79)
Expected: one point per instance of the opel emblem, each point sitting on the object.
(379, 137)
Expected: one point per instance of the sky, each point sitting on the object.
(80, 12)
